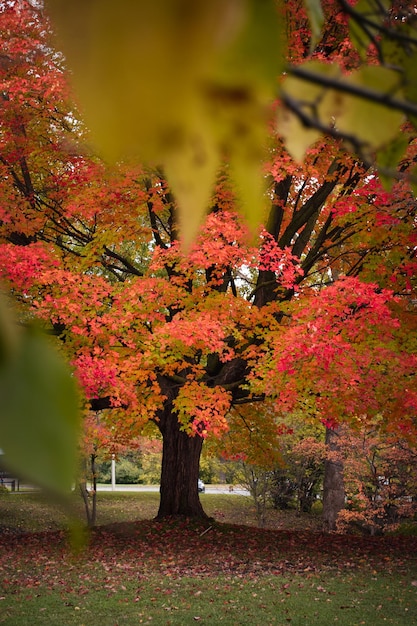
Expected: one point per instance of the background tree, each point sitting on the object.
(379, 481)
(39, 397)
(300, 480)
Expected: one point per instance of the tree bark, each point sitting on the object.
(90, 498)
(179, 472)
(333, 485)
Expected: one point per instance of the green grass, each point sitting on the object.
(178, 573)
(32, 511)
(298, 600)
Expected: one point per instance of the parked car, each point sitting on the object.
(201, 486)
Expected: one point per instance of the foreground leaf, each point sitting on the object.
(374, 123)
(180, 83)
(316, 17)
(39, 414)
(320, 100)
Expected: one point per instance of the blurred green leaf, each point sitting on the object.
(374, 123)
(39, 413)
(373, 11)
(316, 18)
(388, 158)
(8, 333)
(410, 87)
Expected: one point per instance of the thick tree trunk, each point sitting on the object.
(179, 473)
(333, 485)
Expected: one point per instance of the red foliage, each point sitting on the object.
(380, 480)
(344, 352)
(95, 255)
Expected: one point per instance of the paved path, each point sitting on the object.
(222, 489)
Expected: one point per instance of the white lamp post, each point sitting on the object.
(113, 472)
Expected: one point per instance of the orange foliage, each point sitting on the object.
(316, 312)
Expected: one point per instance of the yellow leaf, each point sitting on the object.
(178, 83)
(371, 122)
(136, 66)
(315, 102)
(250, 182)
(297, 137)
(191, 174)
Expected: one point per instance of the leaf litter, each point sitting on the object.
(123, 553)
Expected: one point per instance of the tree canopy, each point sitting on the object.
(314, 308)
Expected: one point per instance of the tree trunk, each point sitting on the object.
(180, 468)
(90, 498)
(333, 485)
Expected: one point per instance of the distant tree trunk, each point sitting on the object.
(180, 468)
(90, 498)
(333, 485)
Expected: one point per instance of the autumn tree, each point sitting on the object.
(380, 480)
(314, 310)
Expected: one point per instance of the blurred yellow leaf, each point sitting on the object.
(315, 102)
(373, 123)
(367, 120)
(191, 174)
(136, 66)
(178, 83)
(298, 137)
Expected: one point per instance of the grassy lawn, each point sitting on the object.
(32, 512)
(134, 570)
(298, 600)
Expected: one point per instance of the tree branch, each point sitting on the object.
(385, 99)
